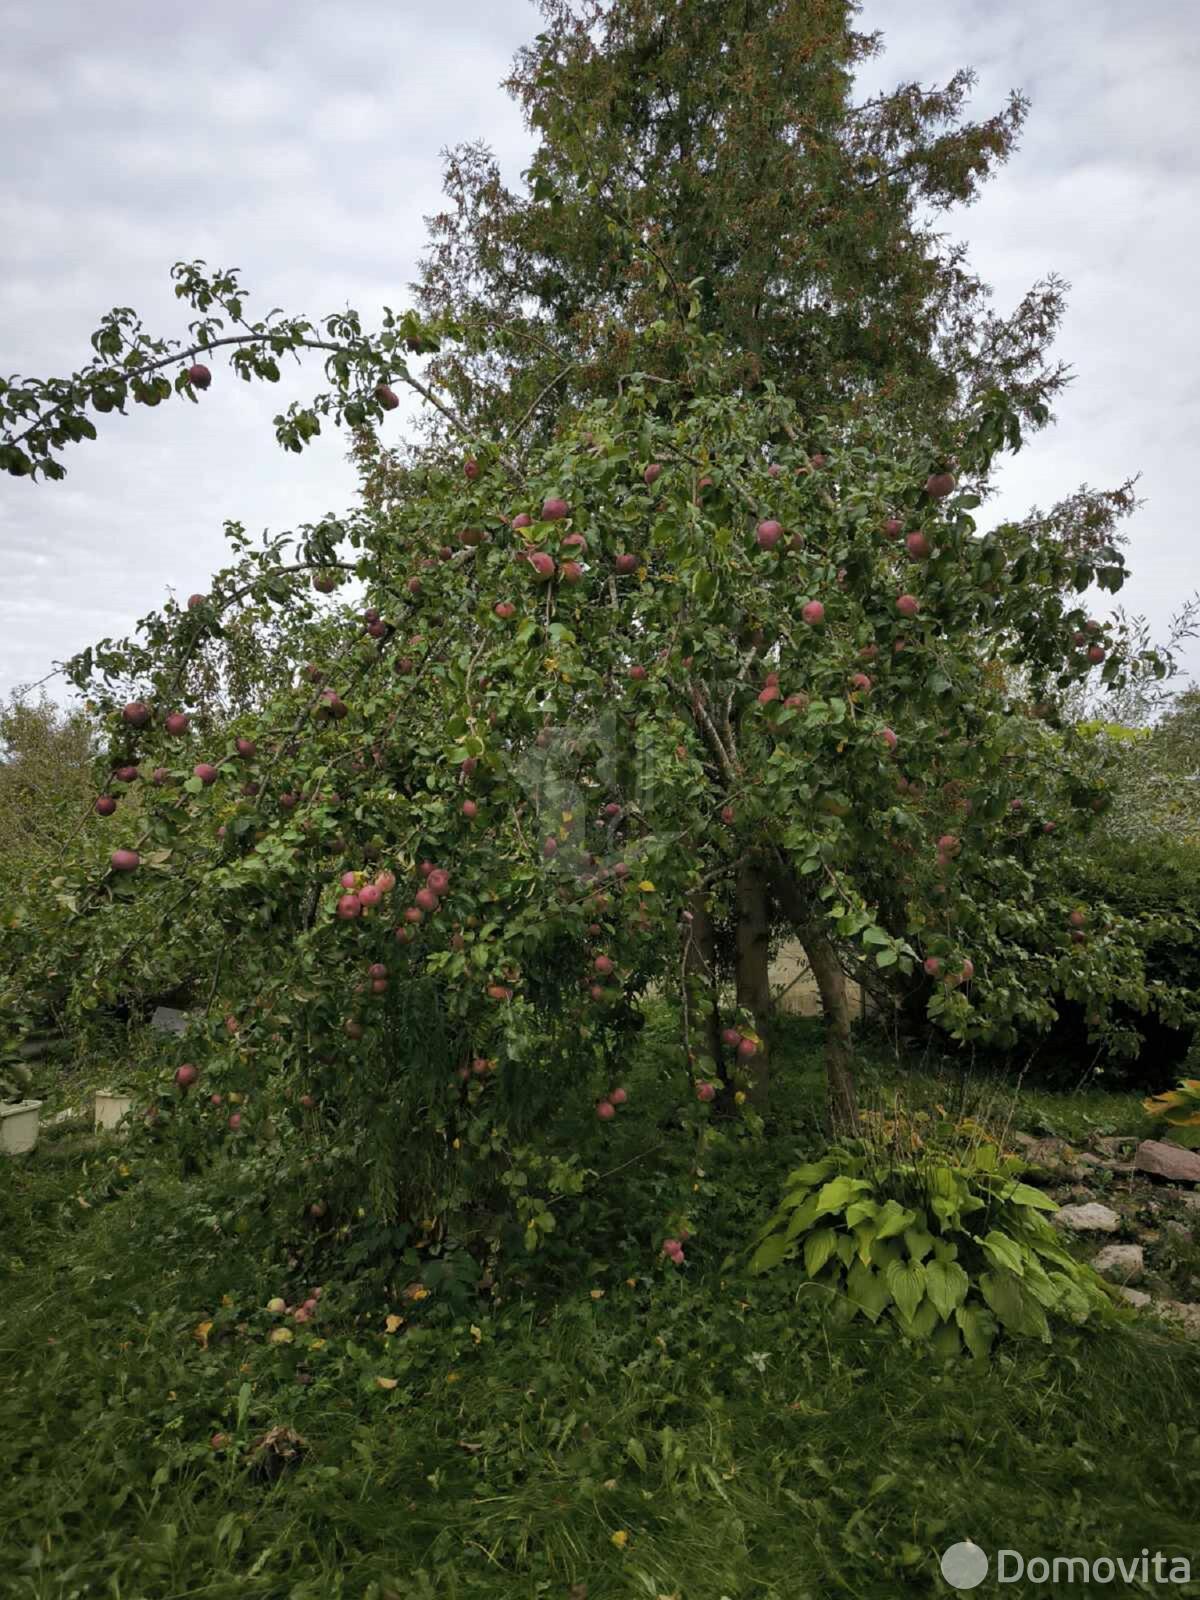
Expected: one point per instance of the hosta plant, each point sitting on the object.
(1180, 1110)
(953, 1248)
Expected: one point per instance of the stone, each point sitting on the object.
(1179, 1229)
(1187, 1197)
(1136, 1297)
(1091, 1218)
(1122, 1263)
(1114, 1145)
(167, 1020)
(1167, 1161)
(1187, 1316)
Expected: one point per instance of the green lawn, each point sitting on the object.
(690, 1432)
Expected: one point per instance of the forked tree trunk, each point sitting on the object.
(701, 975)
(841, 1106)
(752, 972)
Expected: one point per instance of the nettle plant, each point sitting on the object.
(697, 656)
(951, 1246)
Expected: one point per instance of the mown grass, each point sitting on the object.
(611, 1422)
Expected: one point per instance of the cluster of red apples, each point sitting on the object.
(606, 1107)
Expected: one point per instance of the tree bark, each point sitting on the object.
(752, 972)
(841, 1106)
(700, 966)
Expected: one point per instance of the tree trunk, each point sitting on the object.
(752, 971)
(701, 976)
(841, 1107)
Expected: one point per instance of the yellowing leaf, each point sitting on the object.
(597, 1294)
(476, 1333)
(646, 886)
(201, 1332)
(393, 1322)
(453, 1377)
(386, 1383)
(620, 1538)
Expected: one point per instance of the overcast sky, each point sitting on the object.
(301, 143)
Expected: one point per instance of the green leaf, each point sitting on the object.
(818, 1248)
(803, 1218)
(945, 1342)
(636, 1451)
(893, 1219)
(1003, 1252)
(770, 1253)
(906, 1280)
(867, 1290)
(977, 1328)
(860, 1209)
(837, 1193)
(946, 1285)
(918, 1242)
(1024, 1194)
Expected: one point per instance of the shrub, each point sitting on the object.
(951, 1245)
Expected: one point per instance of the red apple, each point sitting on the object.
(205, 772)
(1096, 654)
(933, 966)
(543, 565)
(908, 605)
(386, 396)
(603, 965)
(522, 520)
(469, 809)
(554, 510)
(413, 586)
(918, 546)
(939, 484)
(768, 534)
(727, 815)
(771, 692)
(504, 609)
(570, 572)
(426, 899)
(438, 880)
(471, 469)
(246, 748)
(185, 1076)
(892, 528)
(889, 738)
(860, 681)
(125, 860)
(353, 1029)
(195, 600)
(637, 674)
(746, 1049)
(706, 1091)
(105, 805)
(349, 905)
(626, 564)
(198, 375)
(370, 894)
(813, 612)
(652, 473)
(605, 1110)
(235, 1121)
(136, 714)
(550, 847)
(618, 1097)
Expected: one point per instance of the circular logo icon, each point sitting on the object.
(964, 1566)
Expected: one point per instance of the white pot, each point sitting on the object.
(19, 1126)
(110, 1108)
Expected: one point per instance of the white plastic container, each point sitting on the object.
(19, 1126)
(110, 1108)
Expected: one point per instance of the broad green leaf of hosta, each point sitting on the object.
(803, 1218)
(977, 1328)
(893, 1219)
(1024, 1194)
(1002, 1251)
(818, 1248)
(945, 1342)
(946, 1285)
(770, 1253)
(864, 1238)
(921, 1324)
(918, 1242)
(837, 1193)
(906, 1280)
(860, 1209)
(812, 1173)
(867, 1290)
